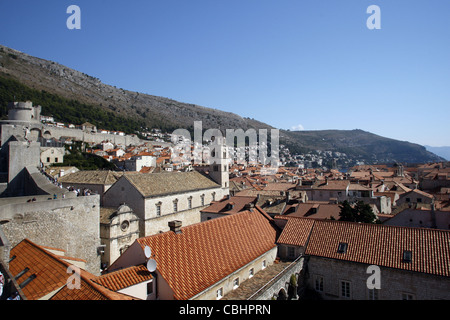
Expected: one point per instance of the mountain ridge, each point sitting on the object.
(155, 111)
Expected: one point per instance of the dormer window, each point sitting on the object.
(407, 256)
(342, 248)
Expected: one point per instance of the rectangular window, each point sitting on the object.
(158, 210)
(175, 206)
(345, 289)
(291, 252)
(374, 294)
(189, 203)
(149, 287)
(342, 248)
(407, 296)
(407, 256)
(264, 264)
(318, 283)
(235, 283)
(56, 159)
(202, 199)
(219, 293)
(251, 273)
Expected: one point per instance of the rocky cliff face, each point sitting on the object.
(71, 84)
(55, 78)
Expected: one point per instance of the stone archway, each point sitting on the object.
(35, 133)
(47, 134)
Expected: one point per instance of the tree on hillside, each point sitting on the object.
(360, 212)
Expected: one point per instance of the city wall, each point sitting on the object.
(68, 224)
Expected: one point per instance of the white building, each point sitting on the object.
(137, 162)
(207, 260)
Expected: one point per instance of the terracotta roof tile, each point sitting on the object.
(50, 271)
(228, 206)
(296, 232)
(383, 245)
(204, 253)
(89, 290)
(124, 278)
(51, 275)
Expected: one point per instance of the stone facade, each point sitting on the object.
(153, 220)
(227, 284)
(69, 224)
(330, 274)
(52, 155)
(119, 228)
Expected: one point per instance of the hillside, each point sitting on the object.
(359, 144)
(443, 152)
(64, 92)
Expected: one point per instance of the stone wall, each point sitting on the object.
(90, 137)
(227, 283)
(68, 224)
(394, 282)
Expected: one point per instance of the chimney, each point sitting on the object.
(249, 206)
(433, 214)
(175, 226)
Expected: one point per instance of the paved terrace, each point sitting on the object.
(259, 280)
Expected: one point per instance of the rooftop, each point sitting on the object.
(42, 274)
(382, 245)
(104, 177)
(157, 184)
(204, 253)
(229, 206)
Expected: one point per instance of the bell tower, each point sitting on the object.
(219, 164)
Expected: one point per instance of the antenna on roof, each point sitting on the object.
(151, 263)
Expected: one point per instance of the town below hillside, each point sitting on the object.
(88, 213)
(71, 96)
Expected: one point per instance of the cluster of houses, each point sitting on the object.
(168, 230)
(211, 231)
(143, 158)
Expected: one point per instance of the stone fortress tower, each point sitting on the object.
(23, 112)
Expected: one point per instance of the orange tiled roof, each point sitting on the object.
(296, 231)
(238, 204)
(50, 271)
(51, 274)
(124, 278)
(323, 211)
(383, 245)
(89, 290)
(204, 253)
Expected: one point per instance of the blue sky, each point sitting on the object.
(289, 63)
